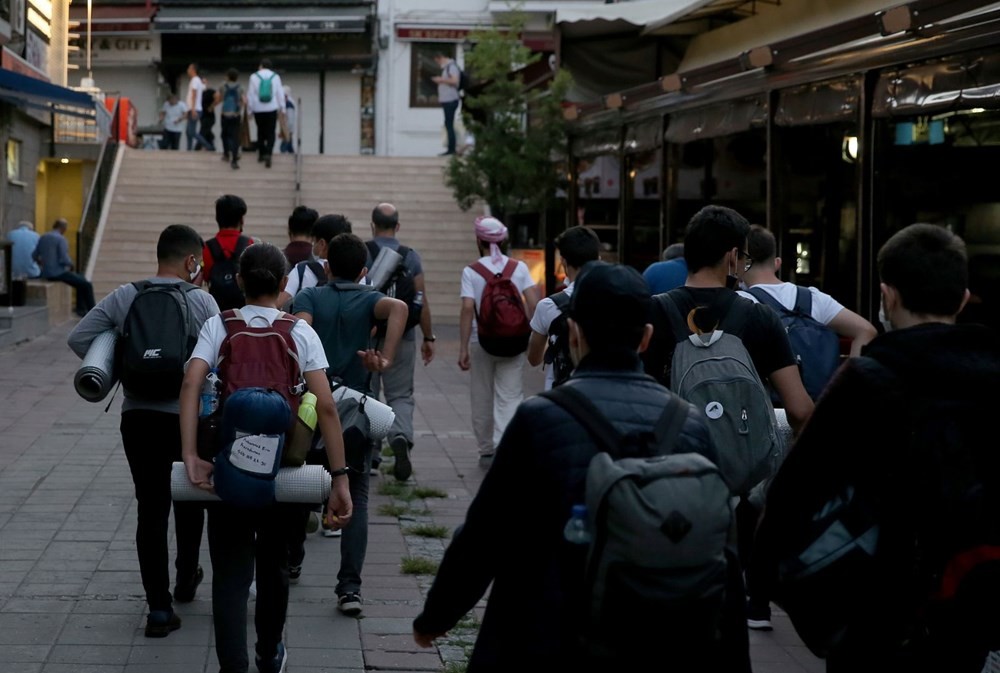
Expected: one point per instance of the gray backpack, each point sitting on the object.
(659, 522)
(714, 372)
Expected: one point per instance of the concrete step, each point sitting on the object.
(20, 323)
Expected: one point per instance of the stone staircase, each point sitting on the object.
(155, 189)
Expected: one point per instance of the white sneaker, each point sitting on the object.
(328, 532)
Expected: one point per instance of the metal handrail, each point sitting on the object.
(91, 215)
(298, 152)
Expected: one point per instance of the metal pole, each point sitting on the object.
(90, 17)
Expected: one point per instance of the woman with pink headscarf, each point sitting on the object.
(496, 388)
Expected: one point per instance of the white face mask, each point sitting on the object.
(886, 325)
(197, 270)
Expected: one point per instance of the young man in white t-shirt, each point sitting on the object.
(577, 246)
(303, 275)
(497, 382)
(196, 87)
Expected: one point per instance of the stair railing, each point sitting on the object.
(90, 219)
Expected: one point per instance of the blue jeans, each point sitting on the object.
(450, 108)
(193, 134)
(83, 287)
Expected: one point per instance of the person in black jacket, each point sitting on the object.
(513, 532)
(908, 427)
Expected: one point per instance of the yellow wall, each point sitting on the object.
(59, 193)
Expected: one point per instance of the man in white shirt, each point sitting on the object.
(577, 246)
(172, 116)
(497, 380)
(196, 87)
(266, 100)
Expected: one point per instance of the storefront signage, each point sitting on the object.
(433, 34)
(254, 25)
(122, 50)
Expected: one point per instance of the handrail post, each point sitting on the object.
(298, 152)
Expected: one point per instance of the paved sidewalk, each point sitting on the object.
(70, 595)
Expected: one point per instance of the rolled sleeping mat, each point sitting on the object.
(784, 429)
(380, 415)
(96, 375)
(785, 435)
(309, 484)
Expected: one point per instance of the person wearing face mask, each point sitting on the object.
(312, 272)
(150, 428)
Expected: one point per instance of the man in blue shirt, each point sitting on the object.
(670, 273)
(25, 240)
(52, 253)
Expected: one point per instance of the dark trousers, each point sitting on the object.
(84, 293)
(266, 122)
(208, 127)
(171, 140)
(231, 136)
(450, 109)
(237, 538)
(152, 441)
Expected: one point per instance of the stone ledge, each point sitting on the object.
(56, 295)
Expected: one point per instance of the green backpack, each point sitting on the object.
(264, 93)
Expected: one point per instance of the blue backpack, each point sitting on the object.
(816, 346)
(230, 99)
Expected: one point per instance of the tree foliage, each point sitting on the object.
(516, 132)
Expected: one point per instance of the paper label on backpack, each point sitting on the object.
(255, 453)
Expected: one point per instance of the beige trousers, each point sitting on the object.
(497, 388)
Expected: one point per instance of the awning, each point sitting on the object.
(256, 19)
(25, 91)
(582, 19)
(951, 84)
(713, 121)
(112, 19)
(819, 102)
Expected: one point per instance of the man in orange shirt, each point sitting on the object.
(222, 253)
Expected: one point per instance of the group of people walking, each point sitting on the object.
(264, 97)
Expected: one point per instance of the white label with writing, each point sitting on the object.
(255, 453)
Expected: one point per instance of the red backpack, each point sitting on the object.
(503, 325)
(260, 357)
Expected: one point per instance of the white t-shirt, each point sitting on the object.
(309, 279)
(174, 116)
(307, 343)
(473, 284)
(824, 307)
(545, 313)
(198, 87)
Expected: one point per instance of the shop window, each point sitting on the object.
(14, 160)
(423, 92)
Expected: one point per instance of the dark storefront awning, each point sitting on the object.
(25, 91)
(950, 84)
(112, 19)
(256, 19)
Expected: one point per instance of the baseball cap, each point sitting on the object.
(611, 304)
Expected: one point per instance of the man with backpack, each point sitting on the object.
(406, 284)
(312, 272)
(343, 314)
(813, 319)
(266, 100)
(653, 591)
(232, 101)
(498, 301)
(300, 244)
(549, 326)
(448, 83)
(899, 465)
(222, 253)
(158, 320)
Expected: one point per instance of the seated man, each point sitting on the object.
(25, 240)
(52, 253)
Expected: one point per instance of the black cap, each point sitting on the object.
(611, 304)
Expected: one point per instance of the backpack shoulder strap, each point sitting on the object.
(735, 312)
(233, 321)
(561, 301)
(373, 249)
(318, 270)
(187, 287)
(670, 423)
(586, 414)
(766, 298)
(141, 285)
(509, 269)
(678, 324)
(215, 249)
(242, 243)
(403, 251)
(481, 269)
(300, 269)
(803, 300)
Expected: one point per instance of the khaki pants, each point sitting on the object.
(497, 388)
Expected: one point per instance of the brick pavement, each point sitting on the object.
(70, 595)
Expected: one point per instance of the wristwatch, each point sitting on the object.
(341, 471)
(431, 338)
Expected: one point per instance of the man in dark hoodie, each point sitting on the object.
(903, 444)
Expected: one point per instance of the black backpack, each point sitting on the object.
(222, 283)
(158, 336)
(400, 285)
(557, 354)
(316, 267)
(463, 81)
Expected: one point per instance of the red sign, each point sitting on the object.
(433, 34)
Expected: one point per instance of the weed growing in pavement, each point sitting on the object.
(396, 489)
(418, 565)
(392, 509)
(456, 667)
(467, 623)
(428, 530)
(429, 492)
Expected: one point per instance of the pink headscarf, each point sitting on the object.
(491, 230)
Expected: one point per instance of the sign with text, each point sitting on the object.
(345, 24)
(120, 50)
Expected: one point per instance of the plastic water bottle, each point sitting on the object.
(418, 299)
(210, 393)
(576, 527)
(297, 446)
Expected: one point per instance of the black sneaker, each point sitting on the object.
(235, 165)
(225, 156)
(184, 593)
(401, 468)
(294, 573)
(349, 604)
(160, 623)
(759, 618)
(276, 664)
(267, 162)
